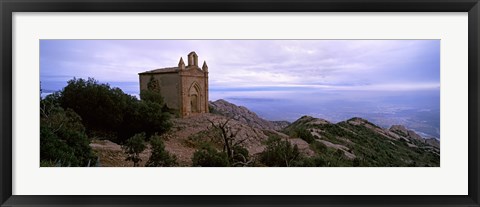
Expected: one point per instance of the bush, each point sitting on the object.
(280, 153)
(209, 157)
(109, 111)
(133, 147)
(63, 141)
(319, 147)
(240, 156)
(356, 162)
(151, 96)
(310, 162)
(304, 134)
(144, 116)
(100, 106)
(160, 157)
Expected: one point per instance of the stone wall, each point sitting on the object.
(169, 85)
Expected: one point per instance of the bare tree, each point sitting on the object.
(231, 142)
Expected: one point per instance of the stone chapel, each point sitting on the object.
(184, 88)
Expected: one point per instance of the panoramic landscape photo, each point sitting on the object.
(239, 103)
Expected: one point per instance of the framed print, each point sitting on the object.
(191, 103)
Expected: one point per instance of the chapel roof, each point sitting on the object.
(162, 70)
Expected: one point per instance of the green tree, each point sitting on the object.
(304, 134)
(280, 153)
(152, 96)
(99, 105)
(160, 157)
(63, 141)
(207, 156)
(133, 147)
(241, 157)
(110, 112)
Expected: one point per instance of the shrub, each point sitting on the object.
(109, 111)
(240, 156)
(304, 134)
(151, 96)
(356, 162)
(160, 157)
(279, 153)
(319, 147)
(212, 109)
(100, 106)
(304, 162)
(63, 141)
(209, 157)
(144, 116)
(133, 147)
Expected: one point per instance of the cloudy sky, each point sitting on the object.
(390, 74)
(237, 64)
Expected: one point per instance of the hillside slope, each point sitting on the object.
(190, 134)
(365, 144)
(354, 142)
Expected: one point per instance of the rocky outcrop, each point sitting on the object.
(279, 125)
(433, 142)
(404, 132)
(242, 114)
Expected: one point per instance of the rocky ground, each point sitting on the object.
(186, 136)
(111, 155)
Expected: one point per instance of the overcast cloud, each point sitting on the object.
(268, 64)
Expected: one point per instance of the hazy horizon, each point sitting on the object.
(385, 81)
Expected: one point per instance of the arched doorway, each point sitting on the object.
(194, 100)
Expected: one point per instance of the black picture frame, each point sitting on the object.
(7, 7)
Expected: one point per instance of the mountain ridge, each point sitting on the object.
(244, 115)
(321, 143)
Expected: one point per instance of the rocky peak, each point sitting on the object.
(241, 114)
(311, 120)
(361, 121)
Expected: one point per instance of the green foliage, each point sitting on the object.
(211, 139)
(315, 161)
(232, 145)
(151, 96)
(133, 147)
(153, 85)
(319, 147)
(356, 162)
(280, 153)
(144, 116)
(63, 141)
(100, 106)
(213, 110)
(240, 156)
(160, 157)
(207, 156)
(306, 135)
(109, 111)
